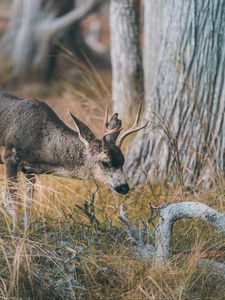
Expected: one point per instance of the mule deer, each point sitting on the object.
(34, 140)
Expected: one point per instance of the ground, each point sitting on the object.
(66, 255)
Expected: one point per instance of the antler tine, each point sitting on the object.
(138, 115)
(133, 129)
(128, 132)
(106, 119)
(109, 132)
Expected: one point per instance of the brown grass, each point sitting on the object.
(34, 264)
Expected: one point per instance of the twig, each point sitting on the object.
(89, 209)
(144, 250)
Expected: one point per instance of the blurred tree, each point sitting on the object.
(37, 27)
(184, 67)
(127, 74)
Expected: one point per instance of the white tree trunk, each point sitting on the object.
(153, 35)
(127, 78)
(188, 100)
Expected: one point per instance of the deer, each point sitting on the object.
(34, 140)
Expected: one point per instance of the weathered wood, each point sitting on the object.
(153, 36)
(187, 102)
(127, 74)
(168, 215)
(171, 213)
(144, 250)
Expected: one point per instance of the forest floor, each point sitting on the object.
(66, 256)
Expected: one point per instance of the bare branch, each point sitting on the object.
(74, 16)
(169, 214)
(132, 232)
(89, 210)
(92, 39)
(144, 250)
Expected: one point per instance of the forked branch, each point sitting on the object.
(74, 16)
(144, 250)
(168, 215)
(171, 213)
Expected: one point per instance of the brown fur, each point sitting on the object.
(34, 140)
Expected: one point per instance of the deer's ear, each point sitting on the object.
(85, 134)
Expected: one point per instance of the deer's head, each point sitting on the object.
(104, 159)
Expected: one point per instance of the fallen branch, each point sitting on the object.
(171, 213)
(144, 250)
(168, 215)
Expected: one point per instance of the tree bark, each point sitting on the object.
(186, 105)
(153, 35)
(127, 78)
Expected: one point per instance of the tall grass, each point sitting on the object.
(63, 255)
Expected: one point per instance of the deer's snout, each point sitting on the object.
(122, 189)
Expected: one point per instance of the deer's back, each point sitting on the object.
(26, 122)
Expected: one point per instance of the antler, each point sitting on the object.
(134, 128)
(109, 131)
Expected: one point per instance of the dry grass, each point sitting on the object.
(65, 256)
(34, 263)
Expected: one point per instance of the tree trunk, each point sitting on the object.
(153, 34)
(29, 40)
(187, 103)
(127, 78)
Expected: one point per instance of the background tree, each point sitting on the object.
(188, 97)
(35, 29)
(127, 75)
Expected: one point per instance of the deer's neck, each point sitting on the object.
(68, 154)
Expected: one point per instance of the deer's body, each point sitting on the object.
(42, 141)
(34, 140)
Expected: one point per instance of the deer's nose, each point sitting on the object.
(122, 189)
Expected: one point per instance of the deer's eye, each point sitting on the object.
(105, 164)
